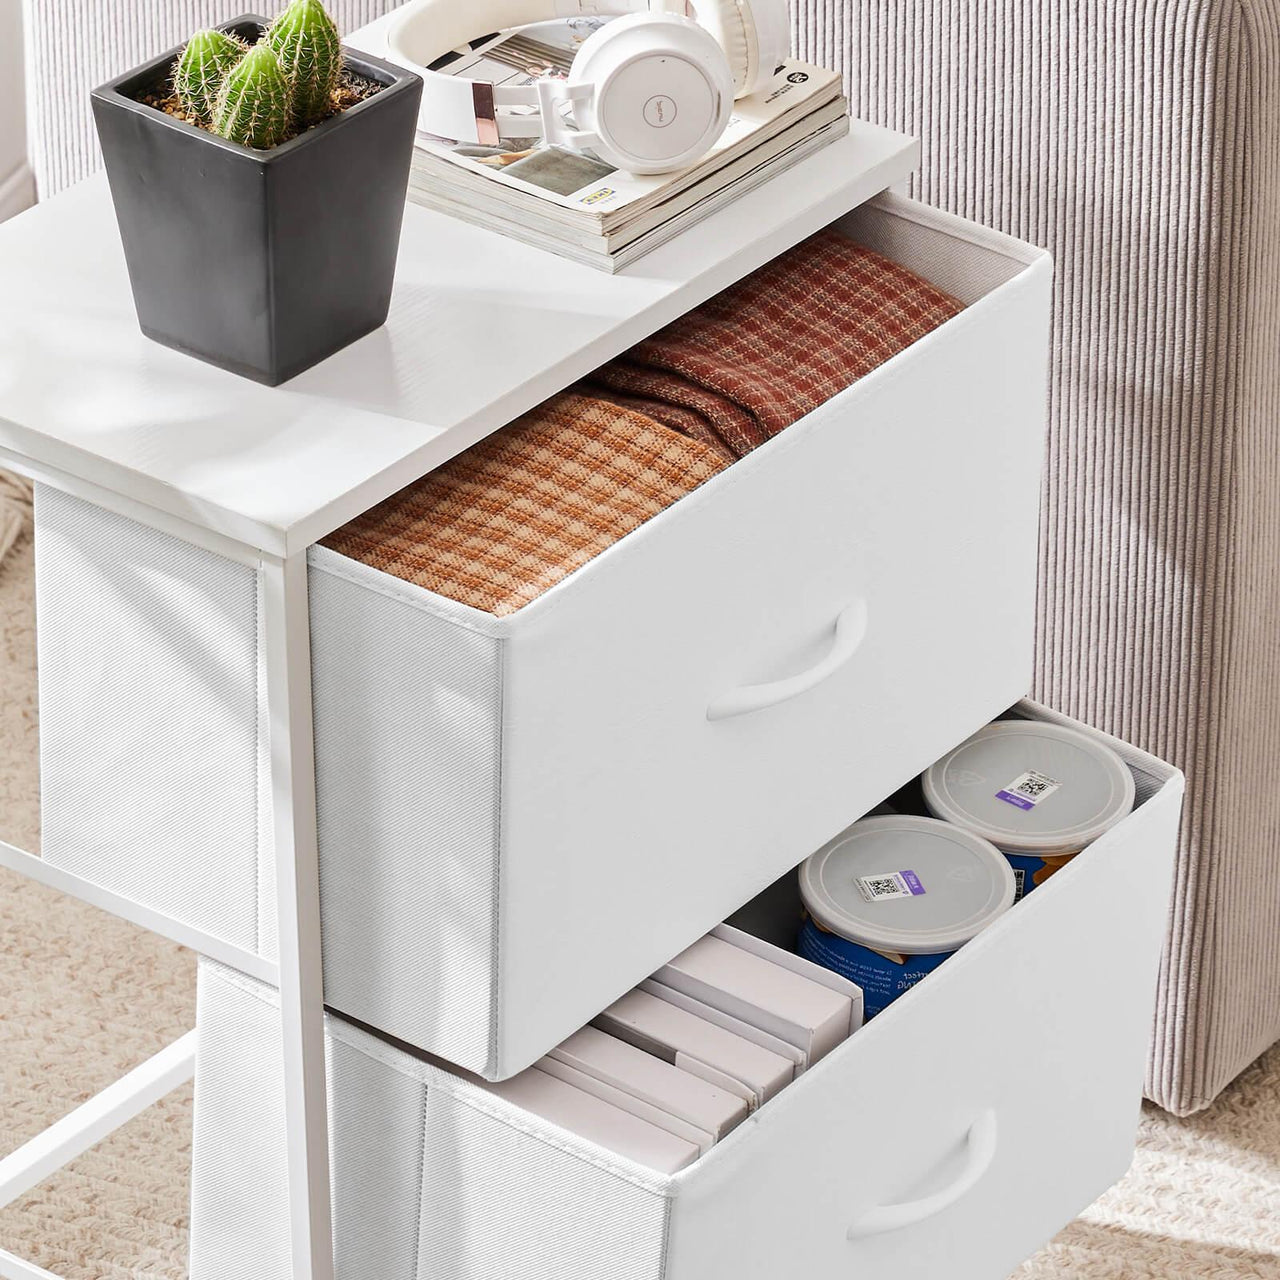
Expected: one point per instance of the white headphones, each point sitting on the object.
(648, 92)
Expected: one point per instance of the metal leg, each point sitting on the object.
(287, 641)
(89, 1123)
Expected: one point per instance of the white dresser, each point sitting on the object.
(794, 641)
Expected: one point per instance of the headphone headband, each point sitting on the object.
(468, 110)
(647, 93)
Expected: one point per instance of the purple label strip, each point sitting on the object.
(912, 881)
(1020, 802)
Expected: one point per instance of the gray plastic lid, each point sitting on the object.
(966, 883)
(1030, 787)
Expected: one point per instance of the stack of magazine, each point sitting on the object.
(574, 204)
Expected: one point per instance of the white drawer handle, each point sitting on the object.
(851, 630)
(891, 1217)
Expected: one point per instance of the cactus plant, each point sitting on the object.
(253, 105)
(184, 195)
(306, 41)
(205, 63)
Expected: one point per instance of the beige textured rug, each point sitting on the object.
(83, 997)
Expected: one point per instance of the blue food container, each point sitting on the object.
(888, 900)
(1039, 792)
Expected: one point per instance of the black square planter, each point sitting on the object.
(262, 262)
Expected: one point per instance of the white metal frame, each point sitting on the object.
(89, 1123)
(293, 791)
(298, 972)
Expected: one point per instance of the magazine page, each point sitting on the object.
(581, 182)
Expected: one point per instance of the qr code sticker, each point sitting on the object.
(1029, 790)
(883, 886)
(1034, 787)
(890, 884)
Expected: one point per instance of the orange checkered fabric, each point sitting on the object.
(687, 421)
(784, 340)
(505, 521)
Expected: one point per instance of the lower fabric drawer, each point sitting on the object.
(950, 1137)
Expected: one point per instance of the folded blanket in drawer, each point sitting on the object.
(679, 417)
(759, 356)
(505, 521)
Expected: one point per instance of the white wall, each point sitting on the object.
(16, 189)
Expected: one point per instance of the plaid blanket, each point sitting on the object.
(505, 521)
(757, 357)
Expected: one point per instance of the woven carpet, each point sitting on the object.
(83, 997)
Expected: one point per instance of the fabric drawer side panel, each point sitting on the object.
(239, 1174)
(149, 715)
(498, 1201)
(376, 1125)
(240, 1220)
(408, 716)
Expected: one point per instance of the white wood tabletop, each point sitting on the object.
(481, 329)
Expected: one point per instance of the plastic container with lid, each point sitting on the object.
(889, 899)
(1039, 792)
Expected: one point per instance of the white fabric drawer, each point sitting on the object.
(1018, 1063)
(521, 817)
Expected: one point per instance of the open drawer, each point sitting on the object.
(951, 1136)
(521, 817)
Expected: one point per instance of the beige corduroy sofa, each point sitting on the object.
(1140, 141)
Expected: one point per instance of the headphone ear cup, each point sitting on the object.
(754, 35)
(660, 92)
(724, 20)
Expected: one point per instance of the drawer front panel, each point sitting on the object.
(848, 604)
(971, 1120)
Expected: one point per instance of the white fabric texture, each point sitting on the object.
(154, 751)
(139, 630)
(434, 1179)
(408, 710)
(1140, 143)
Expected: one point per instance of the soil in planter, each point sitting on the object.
(352, 89)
